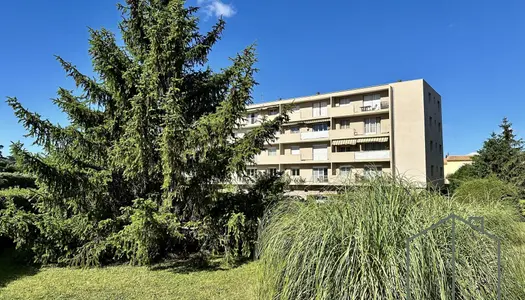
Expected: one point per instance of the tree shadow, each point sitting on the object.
(196, 264)
(13, 267)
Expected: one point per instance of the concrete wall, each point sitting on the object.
(409, 131)
(434, 134)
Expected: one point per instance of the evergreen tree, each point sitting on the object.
(501, 155)
(139, 168)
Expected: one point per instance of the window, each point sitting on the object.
(440, 149)
(272, 171)
(294, 129)
(372, 172)
(374, 146)
(296, 150)
(320, 109)
(372, 101)
(272, 151)
(441, 172)
(295, 109)
(372, 125)
(273, 111)
(252, 118)
(296, 172)
(251, 172)
(345, 171)
(439, 104)
(430, 119)
(344, 124)
(431, 145)
(344, 102)
(439, 127)
(347, 148)
(429, 97)
(320, 127)
(320, 174)
(432, 170)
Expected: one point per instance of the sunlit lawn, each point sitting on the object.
(168, 281)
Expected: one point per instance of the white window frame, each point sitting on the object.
(322, 126)
(252, 118)
(346, 174)
(320, 146)
(344, 124)
(373, 125)
(320, 109)
(316, 174)
(372, 171)
(252, 172)
(295, 150)
(272, 151)
(373, 101)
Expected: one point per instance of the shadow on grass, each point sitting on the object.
(12, 267)
(196, 264)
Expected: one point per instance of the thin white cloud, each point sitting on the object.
(217, 8)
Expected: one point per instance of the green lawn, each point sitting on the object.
(168, 281)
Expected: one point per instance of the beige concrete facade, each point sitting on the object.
(453, 162)
(348, 136)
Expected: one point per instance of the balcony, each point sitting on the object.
(372, 155)
(265, 159)
(342, 156)
(368, 108)
(312, 135)
(358, 108)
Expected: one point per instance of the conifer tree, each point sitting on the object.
(149, 142)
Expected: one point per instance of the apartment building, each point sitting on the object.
(350, 136)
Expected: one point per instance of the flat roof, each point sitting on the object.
(372, 88)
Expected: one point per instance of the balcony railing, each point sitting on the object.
(314, 135)
(378, 106)
(368, 155)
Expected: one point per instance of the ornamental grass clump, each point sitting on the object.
(353, 246)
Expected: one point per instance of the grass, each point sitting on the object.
(165, 281)
(353, 247)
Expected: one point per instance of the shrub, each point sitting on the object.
(353, 247)
(486, 189)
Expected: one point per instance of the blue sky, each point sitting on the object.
(471, 52)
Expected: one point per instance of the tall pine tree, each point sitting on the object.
(150, 141)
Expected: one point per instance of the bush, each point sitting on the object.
(486, 189)
(353, 247)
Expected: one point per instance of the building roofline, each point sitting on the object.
(326, 95)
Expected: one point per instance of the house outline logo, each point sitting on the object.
(452, 217)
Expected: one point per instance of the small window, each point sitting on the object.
(251, 172)
(252, 118)
(344, 124)
(296, 172)
(431, 145)
(373, 125)
(272, 171)
(344, 102)
(345, 171)
(294, 129)
(272, 151)
(296, 150)
(320, 127)
(439, 127)
(372, 172)
(432, 171)
(440, 149)
(439, 104)
(430, 119)
(429, 97)
(375, 146)
(273, 112)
